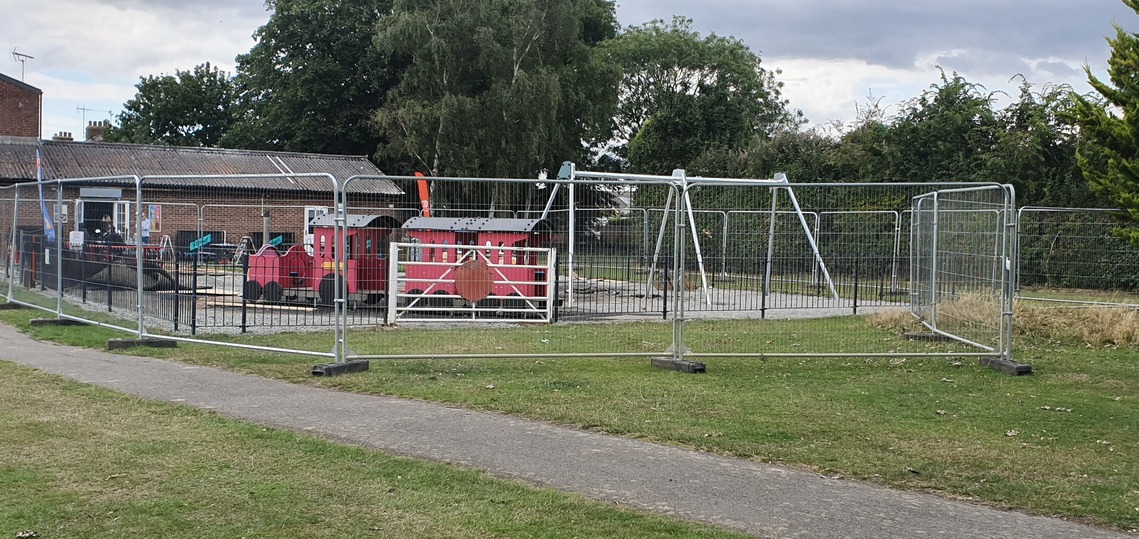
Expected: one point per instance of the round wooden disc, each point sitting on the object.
(474, 280)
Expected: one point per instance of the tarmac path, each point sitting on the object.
(760, 499)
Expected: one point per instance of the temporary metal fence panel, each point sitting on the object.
(60, 264)
(964, 262)
(232, 255)
(487, 283)
(1070, 257)
(517, 238)
(222, 240)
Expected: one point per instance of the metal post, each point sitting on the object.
(724, 247)
(393, 283)
(933, 266)
(14, 246)
(264, 227)
(58, 250)
(678, 277)
(572, 237)
(644, 236)
(139, 254)
(340, 265)
(1010, 262)
(770, 243)
(177, 289)
(244, 300)
(194, 294)
(897, 253)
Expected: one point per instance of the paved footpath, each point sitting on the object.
(760, 499)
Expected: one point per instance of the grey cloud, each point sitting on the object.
(1059, 69)
(894, 32)
(204, 9)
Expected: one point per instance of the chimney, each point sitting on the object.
(63, 136)
(96, 129)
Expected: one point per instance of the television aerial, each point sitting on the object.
(23, 59)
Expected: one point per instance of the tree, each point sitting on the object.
(496, 88)
(189, 108)
(1108, 152)
(710, 91)
(1035, 150)
(313, 79)
(943, 135)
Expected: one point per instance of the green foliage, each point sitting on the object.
(495, 88)
(313, 79)
(189, 108)
(689, 94)
(1109, 152)
(943, 134)
(1035, 150)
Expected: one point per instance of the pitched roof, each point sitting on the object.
(20, 84)
(65, 159)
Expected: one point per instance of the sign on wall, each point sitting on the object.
(154, 211)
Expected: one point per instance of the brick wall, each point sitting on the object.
(19, 110)
(233, 215)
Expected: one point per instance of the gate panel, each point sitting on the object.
(443, 282)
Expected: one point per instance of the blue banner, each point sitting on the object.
(49, 226)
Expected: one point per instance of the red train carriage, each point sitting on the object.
(515, 273)
(299, 276)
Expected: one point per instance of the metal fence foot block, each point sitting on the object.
(681, 365)
(10, 306)
(55, 322)
(121, 344)
(333, 369)
(1006, 366)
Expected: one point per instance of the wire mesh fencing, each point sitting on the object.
(964, 257)
(791, 264)
(1070, 257)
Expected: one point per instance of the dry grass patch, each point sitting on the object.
(1094, 326)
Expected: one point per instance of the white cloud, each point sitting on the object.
(832, 90)
(834, 53)
(91, 54)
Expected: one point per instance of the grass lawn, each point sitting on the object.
(80, 461)
(1064, 441)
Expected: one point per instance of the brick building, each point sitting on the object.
(20, 106)
(186, 192)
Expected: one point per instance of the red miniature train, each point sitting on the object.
(505, 245)
(298, 276)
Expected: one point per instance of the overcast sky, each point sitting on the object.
(833, 54)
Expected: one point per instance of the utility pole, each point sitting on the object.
(22, 58)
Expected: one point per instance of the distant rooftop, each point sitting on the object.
(66, 160)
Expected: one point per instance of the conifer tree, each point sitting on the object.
(1109, 127)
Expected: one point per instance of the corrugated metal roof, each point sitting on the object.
(64, 160)
(476, 224)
